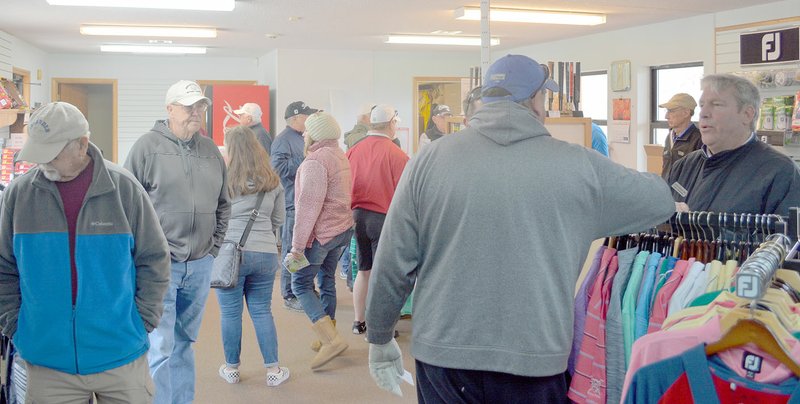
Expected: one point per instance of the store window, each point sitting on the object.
(594, 97)
(666, 81)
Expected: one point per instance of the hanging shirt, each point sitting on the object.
(661, 302)
(589, 381)
(629, 302)
(642, 314)
(676, 302)
(581, 304)
(615, 346)
(661, 382)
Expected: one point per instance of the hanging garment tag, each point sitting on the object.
(752, 364)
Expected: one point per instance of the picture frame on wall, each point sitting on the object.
(620, 75)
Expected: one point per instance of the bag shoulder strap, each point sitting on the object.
(253, 216)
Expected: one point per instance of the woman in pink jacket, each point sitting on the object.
(323, 227)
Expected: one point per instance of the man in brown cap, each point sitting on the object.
(684, 137)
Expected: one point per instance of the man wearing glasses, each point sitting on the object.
(494, 224)
(184, 174)
(684, 137)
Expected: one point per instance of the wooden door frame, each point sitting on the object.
(114, 103)
(26, 84)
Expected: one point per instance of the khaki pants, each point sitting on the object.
(129, 383)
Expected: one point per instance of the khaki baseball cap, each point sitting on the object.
(680, 100)
(50, 128)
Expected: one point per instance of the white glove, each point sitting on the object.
(386, 366)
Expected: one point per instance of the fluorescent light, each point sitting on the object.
(205, 5)
(133, 30)
(153, 49)
(532, 16)
(439, 40)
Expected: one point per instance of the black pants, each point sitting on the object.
(455, 386)
(369, 225)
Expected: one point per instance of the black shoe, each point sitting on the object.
(396, 333)
(293, 304)
(359, 327)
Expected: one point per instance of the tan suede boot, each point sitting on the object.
(332, 343)
(317, 344)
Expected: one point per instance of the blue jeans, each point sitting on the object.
(256, 277)
(171, 356)
(286, 246)
(323, 260)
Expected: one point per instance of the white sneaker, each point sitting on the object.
(276, 378)
(230, 375)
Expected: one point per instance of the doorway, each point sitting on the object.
(97, 100)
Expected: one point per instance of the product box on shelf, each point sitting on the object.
(11, 90)
(796, 113)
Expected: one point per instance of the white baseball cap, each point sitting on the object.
(185, 92)
(251, 109)
(383, 113)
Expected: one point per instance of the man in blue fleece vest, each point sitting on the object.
(84, 267)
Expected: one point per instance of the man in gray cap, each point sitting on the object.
(504, 196)
(286, 156)
(83, 267)
(184, 174)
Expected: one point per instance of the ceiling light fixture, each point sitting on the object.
(439, 40)
(134, 30)
(531, 16)
(204, 5)
(179, 50)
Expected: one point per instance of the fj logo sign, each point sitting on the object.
(764, 47)
(771, 46)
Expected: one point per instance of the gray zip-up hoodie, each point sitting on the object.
(186, 183)
(493, 224)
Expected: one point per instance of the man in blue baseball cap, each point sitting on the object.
(495, 271)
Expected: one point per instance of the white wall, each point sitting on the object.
(268, 75)
(340, 81)
(30, 58)
(686, 40)
(142, 83)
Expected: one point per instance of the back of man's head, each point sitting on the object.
(516, 78)
(382, 116)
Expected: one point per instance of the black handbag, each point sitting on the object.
(225, 271)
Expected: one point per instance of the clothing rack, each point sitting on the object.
(756, 273)
(715, 222)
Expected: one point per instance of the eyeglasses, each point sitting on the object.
(199, 107)
(546, 71)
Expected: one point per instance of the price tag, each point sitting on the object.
(748, 286)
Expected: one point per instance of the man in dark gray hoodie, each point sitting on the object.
(496, 271)
(184, 174)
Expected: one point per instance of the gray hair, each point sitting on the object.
(380, 125)
(744, 91)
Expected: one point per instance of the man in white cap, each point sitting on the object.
(250, 116)
(684, 137)
(184, 174)
(437, 126)
(501, 196)
(83, 267)
(376, 165)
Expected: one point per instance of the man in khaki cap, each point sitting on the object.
(84, 267)
(684, 136)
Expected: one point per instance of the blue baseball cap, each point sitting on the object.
(519, 75)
